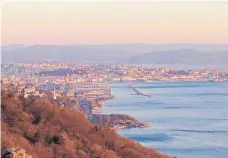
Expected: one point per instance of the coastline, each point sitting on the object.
(113, 121)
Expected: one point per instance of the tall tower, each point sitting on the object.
(54, 95)
(67, 78)
(217, 74)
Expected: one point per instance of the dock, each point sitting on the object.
(138, 92)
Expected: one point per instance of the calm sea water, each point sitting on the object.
(189, 119)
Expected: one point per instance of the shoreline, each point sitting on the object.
(170, 80)
(114, 121)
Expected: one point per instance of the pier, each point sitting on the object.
(138, 92)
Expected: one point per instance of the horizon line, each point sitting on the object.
(117, 44)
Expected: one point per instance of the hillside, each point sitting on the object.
(45, 130)
(183, 56)
(204, 54)
(78, 53)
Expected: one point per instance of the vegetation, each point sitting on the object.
(46, 130)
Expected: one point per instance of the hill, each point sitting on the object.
(77, 53)
(46, 130)
(183, 56)
(204, 54)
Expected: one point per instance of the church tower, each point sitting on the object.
(67, 78)
(54, 95)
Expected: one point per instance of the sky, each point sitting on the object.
(106, 22)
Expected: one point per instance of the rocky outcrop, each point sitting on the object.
(15, 153)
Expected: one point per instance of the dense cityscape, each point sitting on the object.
(86, 86)
(60, 72)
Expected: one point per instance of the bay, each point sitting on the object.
(188, 119)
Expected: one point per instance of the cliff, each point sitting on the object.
(45, 130)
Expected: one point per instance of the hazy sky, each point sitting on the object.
(114, 22)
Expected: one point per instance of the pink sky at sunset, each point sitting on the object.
(114, 22)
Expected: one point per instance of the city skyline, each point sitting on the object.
(66, 23)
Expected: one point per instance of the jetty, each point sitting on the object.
(138, 92)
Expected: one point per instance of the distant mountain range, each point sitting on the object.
(64, 53)
(203, 54)
(183, 56)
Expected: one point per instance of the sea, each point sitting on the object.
(188, 119)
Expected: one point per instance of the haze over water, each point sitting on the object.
(189, 119)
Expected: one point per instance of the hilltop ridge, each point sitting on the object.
(204, 54)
